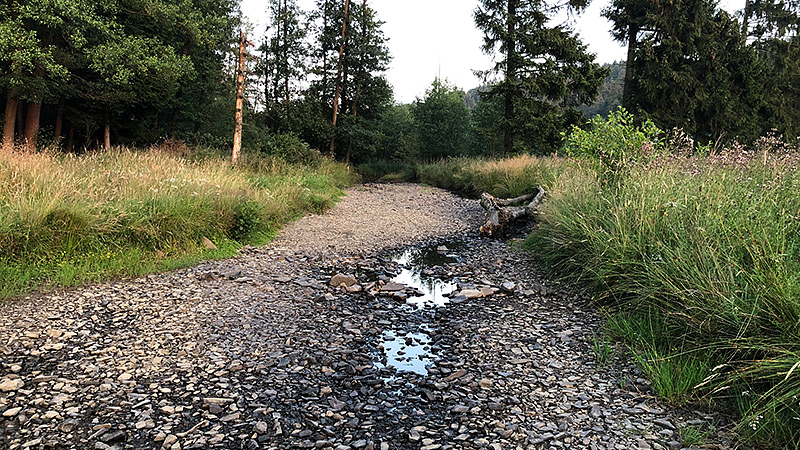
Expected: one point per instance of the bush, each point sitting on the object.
(617, 142)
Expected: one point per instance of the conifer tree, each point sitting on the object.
(544, 69)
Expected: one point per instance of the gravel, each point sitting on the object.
(299, 345)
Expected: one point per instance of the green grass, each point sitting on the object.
(67, 220)
(696, 257)
(695, 435)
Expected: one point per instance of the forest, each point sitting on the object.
(80, 75)
(670, 177)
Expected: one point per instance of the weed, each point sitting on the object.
(66, 219)
(602, 349)
(695, 435)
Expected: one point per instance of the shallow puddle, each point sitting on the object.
(409, 352)
(414, 263)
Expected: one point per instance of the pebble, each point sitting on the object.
(267, 351)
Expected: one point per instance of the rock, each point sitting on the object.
(260, 428)
(11, 384)
(486, 383)
(392, 287)
(11, 412)
(208, 244)
(508, 287)
(471, 293)
(664, 423)
(343, 280)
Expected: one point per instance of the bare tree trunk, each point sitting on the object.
(286, 54)
(627, 88)
(59, 121)
(70, 138)
(10, 120)
(324, 50)
(511, 75)
(339, 78)
(237, 133)
(32, 125)
(20, 119)
(746, 20)
(107, 136)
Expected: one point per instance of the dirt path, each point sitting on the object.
(261, 352)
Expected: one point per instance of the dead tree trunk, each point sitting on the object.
(500, 212)
(339, 79)
(237, 132)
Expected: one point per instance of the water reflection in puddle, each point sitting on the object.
(411, 352)
(408, 352)
(414, 262)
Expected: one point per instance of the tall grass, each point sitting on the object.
(68, 219)
(695, 254)
(711, 246)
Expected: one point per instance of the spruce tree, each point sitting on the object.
(545, 70)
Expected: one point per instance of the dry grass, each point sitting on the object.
(65, 219)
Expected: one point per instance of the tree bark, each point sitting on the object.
(511, 76)
(32, 125)
(59, 121)
(10, 121)
(627, 88)
(237, 133)
(746, 20)
(339, 78)
(20, 119)
(107, 136)
(70, 138)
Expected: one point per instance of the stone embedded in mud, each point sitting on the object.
(508, 286)
(343, 280)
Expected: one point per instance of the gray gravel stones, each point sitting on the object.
(263, 351)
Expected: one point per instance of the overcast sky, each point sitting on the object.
(432, 37)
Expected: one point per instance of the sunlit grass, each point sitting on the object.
(67, 220)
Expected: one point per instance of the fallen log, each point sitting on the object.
(500, 212)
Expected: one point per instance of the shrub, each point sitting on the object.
(617, 142)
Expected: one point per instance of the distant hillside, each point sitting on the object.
(610, 96)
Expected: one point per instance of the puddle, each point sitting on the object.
(414, 262)
(411, 352)
(408, 352)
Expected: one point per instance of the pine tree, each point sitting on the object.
(545, 69)
(363, 91)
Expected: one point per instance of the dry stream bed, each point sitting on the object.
(387, 323)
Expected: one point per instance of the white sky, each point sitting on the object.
(432, 37)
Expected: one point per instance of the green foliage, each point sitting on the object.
(387, 170)
(707, 250)
(695, 435)
(546, 71)
(442, 119)
(609, 98)
(617, 142)
(602, 348)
